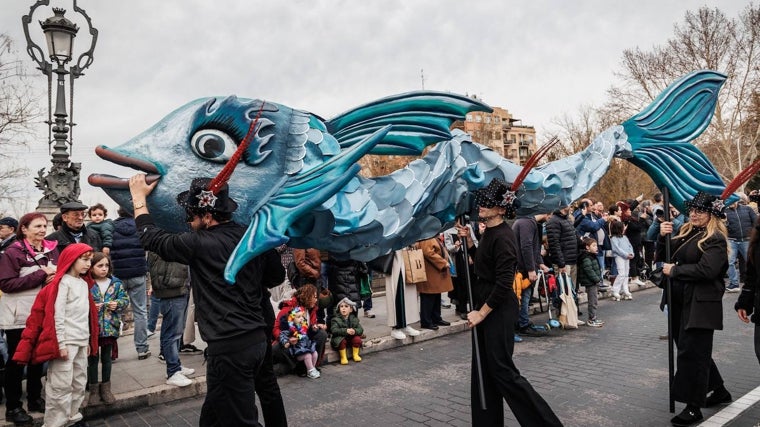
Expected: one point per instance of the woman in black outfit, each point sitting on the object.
(495, 312)
(698, 262)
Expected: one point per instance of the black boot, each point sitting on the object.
(719, 396)
(19, 417)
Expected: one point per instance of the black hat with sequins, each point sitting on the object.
(497, 194)
(708, 203)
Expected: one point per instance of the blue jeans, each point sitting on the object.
(172, 326)
(737, 247)
(138, 297)
(155, 309)
(524, 319)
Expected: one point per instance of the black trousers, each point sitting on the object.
(430, 309)
(14, 375)
(757, 342)
(230, 382)
(696, 372)
(269, 394)
(501, 378)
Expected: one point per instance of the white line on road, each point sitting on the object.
(732, 411)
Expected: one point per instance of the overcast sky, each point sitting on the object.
(539, 59)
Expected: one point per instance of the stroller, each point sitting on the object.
(547, 289)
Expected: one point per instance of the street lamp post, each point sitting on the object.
(61, 184)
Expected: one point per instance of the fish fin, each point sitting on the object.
(419, 119)
(297, 195)
(660, 136)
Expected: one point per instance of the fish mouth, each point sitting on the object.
(110, 181)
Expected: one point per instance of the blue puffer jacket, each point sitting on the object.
(127, 254)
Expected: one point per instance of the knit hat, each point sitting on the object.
(707, 203)
(10, 222)
(346, 301)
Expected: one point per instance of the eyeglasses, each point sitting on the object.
(76, 213)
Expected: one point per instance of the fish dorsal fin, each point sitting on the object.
(419, 119)
(295, 196)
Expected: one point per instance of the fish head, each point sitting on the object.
(198, 139)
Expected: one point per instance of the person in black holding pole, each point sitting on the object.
(698, 263)
(494, 314)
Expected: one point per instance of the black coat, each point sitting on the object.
(127, 253)
(563, 240)
(64, 238)
(343, 279)
(700, 271)
(749, 298)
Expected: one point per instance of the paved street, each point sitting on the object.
(610, 376)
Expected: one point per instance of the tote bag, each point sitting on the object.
(414, 265)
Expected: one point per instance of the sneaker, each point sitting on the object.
(179, 380)
(411, 331)
(532, 330)
(627, 297)
(151, 333)
(190, 349)
(369, 313)
(186, 371)
(518, 338)
(161, 358)
(733, 289)
(615, 297)
(580, 322)
(638, 282)
(144, 355)
(313, 373)
(397, 334)
(594, 323)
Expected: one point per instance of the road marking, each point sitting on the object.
(732, 411)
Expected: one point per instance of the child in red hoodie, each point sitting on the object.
(62, 329)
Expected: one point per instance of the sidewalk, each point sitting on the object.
(140, 383)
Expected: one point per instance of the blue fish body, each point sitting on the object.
(298, 181)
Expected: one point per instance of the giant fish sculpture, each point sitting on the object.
(298, 181)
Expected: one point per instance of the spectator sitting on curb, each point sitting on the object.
(306, 297)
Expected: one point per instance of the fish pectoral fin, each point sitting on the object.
(298, 195)
(418, 119)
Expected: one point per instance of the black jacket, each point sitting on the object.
(343, 279)
(562, 239)
(127, 253)
(749, 298)
(495, 262)
(740, 221)
(228, 316)
(167, 279)
(64, 238)
(528, 242)
(700, 273)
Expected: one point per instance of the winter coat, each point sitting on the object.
(21, 280)
(167, 279)
(700, 272)
(749, 298)
(303, 332)
(436, 268)
(621, 247)
(309, 264)
(104, 230)
(589, 271)
(64, 238)
(39, 342)
(528, 245)
(127, 253)
(563, 240)
(340, 324)
(285, 308)
(343, 278)
(740, 221)
(109, 321)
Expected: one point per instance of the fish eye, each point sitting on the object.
(213, 145)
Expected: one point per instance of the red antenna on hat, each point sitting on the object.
(740, 179)
(224, 175)
(541, 152)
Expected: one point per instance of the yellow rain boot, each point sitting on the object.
(343, 358)
(356, 354)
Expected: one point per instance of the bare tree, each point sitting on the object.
(19, 111)
(706, 39)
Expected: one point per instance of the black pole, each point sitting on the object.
(669, 299)
(467, 204)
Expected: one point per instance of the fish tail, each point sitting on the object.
(660, 136)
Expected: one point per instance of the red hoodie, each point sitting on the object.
(39, 342)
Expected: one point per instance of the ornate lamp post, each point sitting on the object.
(61, 184)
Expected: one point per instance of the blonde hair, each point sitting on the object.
(714, 226)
